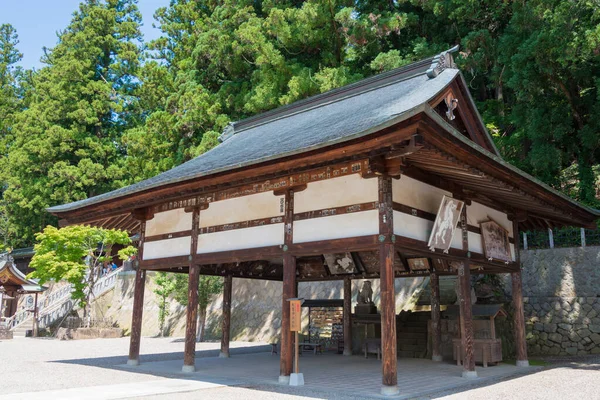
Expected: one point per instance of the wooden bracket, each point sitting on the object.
(143, 214)
(296, 189)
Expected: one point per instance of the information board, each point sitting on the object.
(295, 315)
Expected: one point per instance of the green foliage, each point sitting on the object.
(165, 286)
(76, 254)
(67, 142)
(96, 117)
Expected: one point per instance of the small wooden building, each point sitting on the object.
(346, 184)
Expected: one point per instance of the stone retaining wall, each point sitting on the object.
(561, 303)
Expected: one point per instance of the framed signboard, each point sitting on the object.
(418, 264)
(445, 224)
(496, 244)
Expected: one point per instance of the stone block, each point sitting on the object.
(595, 338)
(566, 327)
(555, 337)
(550, 328)
(594, 328)
(544, 336)
(538, 327)
(584, 333)
(571, 351)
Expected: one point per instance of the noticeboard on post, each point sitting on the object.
(295, 315)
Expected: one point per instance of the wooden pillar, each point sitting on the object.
(189, 352)
(227, 284)
(288, 291)
(517, 296)
(347, 316)
(138, 302)
(387, 288)
(466, 311)
(436, 327)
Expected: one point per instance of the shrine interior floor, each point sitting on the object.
(332, 373)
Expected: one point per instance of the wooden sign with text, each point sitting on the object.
(295, 315)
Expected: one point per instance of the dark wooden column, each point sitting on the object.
(387, 287)
(436, 327)
(288, 292)
(189, 352)
(227, 286)
(347, 313)
(517, 296)
(466, 311)
(138, 302)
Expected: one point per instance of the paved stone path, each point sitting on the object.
(93, 369)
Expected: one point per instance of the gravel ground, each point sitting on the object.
(28, 365)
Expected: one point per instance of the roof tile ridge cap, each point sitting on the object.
(335, 100)
(442, 61)
(351, 86)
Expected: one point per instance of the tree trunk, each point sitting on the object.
(201, 322)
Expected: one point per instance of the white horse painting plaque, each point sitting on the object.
(445, 224)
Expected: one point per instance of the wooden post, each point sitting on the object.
(551, 238)
(524, 241)
(387, 288)
(519, 317)
(138, 302)
(436, 327)
(189, 352)
(227, 284)
(582, 237)
(347, 316)
(288, 292)
(466, 311)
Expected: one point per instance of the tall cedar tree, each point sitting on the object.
(68, 141)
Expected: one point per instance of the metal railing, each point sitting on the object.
(559, 237)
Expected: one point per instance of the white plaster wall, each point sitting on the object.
(475, 243)
(167, 248)
(169, 221)
(477, 213)
(245, 208)
(246, 238)
(417, 194)
(337, 226)
(336, 192)
(457, 238)
(412, 227)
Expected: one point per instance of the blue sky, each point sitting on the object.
(38, 21)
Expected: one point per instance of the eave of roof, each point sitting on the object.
(430, 112)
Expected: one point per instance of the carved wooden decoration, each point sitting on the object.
(451, 103)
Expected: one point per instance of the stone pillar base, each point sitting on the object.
(469, 374)
(436, 358)
(133, 363)
(389, 390)
(285, 379)
(297, 379)
(522, 363)
(188, 369)
(223, 355)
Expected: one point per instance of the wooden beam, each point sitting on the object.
(466, 312)
(347, 316)
(436, 327)
(288, 290)
(519, 317)
(138, 302)
(227, 287)
(388, 294)
(189, 355)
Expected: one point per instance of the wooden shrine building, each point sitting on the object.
(358, 173)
